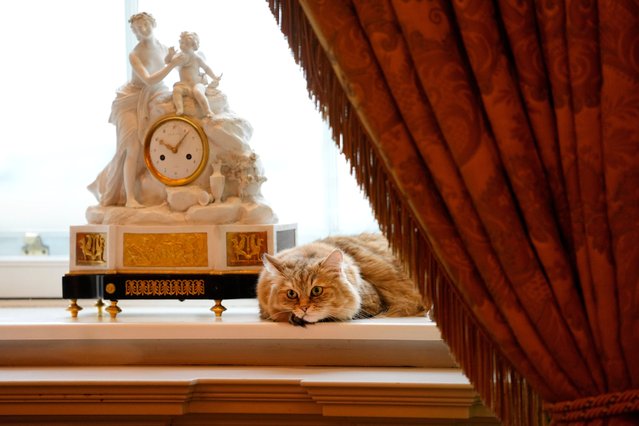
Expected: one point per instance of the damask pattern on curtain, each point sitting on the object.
(498, 142)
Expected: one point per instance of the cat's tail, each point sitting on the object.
(415, 309)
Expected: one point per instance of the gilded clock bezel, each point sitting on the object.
(203, 140)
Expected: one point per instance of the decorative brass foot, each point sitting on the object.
(99, 304)
(113, 309)
(74, 308)
(218, 308)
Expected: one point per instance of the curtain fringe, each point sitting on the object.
(499, 385)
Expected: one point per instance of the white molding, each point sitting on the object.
(173, 363)
(180, 391)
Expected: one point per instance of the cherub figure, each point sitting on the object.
(191, 81)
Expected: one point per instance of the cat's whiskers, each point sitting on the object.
(363, 314)
(274, 315)
(329, 318)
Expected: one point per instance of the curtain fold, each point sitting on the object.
(498, 142)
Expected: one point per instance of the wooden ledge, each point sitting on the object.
(183, 391)
(164, 363)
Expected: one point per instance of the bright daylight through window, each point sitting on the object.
(60, 76)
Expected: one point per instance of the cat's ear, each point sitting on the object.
(272, 264)
(333, 261)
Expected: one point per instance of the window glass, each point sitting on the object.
(308, 180)
(59, 79)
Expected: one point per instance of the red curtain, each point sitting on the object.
(498, 142)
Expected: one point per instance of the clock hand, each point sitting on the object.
(171, 147)
(177, 145)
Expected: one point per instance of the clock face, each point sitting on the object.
(176, 150)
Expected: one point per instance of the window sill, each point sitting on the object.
(148, 332)
(174, 362)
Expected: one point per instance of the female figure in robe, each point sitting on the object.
(151, 62)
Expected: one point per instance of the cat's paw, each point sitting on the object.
(295, 320)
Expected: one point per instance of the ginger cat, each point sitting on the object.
(336, 279)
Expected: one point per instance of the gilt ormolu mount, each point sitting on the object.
(214, 262)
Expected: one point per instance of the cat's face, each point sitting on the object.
(307, 292)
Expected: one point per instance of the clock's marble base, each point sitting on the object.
(175, 249)
(178, 262)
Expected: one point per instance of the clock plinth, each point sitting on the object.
(217, 262)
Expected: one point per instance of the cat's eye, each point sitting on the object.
(291, 294)
(317, 290)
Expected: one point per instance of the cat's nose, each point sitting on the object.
(304, 308)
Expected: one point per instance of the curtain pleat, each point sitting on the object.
(498, 144)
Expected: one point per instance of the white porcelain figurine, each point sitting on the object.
(115, 185)
(191, 81)
(129, 190)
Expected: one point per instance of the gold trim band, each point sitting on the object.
(164, 287)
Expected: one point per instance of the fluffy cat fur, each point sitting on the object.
(336, 279)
